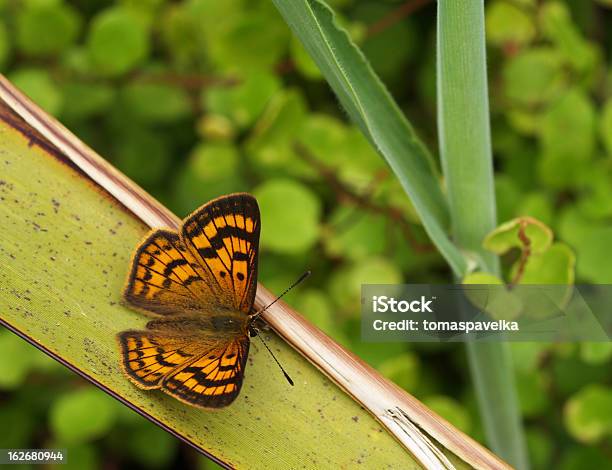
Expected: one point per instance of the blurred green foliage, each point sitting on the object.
(196, 98)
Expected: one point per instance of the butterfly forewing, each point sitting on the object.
(166, 278)
(224, 237)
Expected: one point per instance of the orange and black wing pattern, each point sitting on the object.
(166, 278)
(190, 279)
(193, 369)
(214, 379)
(224, 236)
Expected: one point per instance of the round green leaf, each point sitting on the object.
(509, 235)
(533, 76)
(45, 29)
(596, 353)
(82, 415)
(354, 234)
(588, 414)
(152, 446)
(554, 266)
(16, 359)
(38, 85)
(211, 171)
(508, 23)
(244, 102)
(117, 42)
(290, 215)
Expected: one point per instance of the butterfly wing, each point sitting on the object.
(223, 236)
(166, 279)
(214, 379)
(192, 367)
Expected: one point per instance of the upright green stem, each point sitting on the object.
(465, 147)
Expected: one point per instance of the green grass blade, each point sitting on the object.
(369, 104)
(465, 144)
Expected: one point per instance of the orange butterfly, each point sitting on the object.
(201, 285)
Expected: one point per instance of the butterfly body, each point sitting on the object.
(200, 285)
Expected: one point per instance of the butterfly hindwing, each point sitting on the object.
(194, 367)
(224, 236)
(166, 279)
(214, 379)
(149, 356)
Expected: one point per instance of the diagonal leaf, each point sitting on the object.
(369, 104)
(64, 251)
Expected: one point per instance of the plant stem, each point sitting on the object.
(465, 148)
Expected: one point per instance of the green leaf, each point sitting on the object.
(16, 360)
(511, 234)
(482, 277)
(533, 76)
(82, 415)
(117, 42)
(260, 27)
(536, 205)
(270, 145)
(588, 414)
(212, 170)
(46, 29)
(242, 103)
(567, 139)
(467, 162)
(370, 106)
(508, 23)
(590, 241)
(553, 266)
(76, 313)
(151, 446)
(288, 231)
(595, 353)
(557, 25)
(354, 234)
(156, 103)
(40, 88)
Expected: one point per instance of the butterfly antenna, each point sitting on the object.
(300, 279)
(276, 360)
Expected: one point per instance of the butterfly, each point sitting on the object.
(200, 283)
